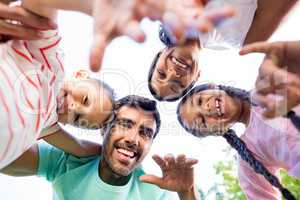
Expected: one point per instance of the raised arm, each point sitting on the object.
(26, 165)
(268, 17)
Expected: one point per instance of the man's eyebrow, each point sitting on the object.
(126, 120)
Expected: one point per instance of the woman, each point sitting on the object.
(265, 147)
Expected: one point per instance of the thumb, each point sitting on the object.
(258, 47)
(97, 51)
(152, 179)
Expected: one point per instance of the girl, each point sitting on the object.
(265, 147)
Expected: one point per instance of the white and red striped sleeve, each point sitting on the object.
(31, 73)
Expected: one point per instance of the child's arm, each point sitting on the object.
(72, 145)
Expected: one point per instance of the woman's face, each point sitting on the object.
(176, 68)
(210, 111)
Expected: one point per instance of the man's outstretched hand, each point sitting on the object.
(177, 174)
(114, 18)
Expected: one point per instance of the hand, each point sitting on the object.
(177, 175)
(277, 75)
(25, 25)
(115, 18)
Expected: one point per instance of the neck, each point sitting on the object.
(109, 176)
(245, 113)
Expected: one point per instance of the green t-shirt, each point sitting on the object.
(76, 178)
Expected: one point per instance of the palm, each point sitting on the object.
(177, 174)
(177, 178)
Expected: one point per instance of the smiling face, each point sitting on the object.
(210, 111)
(84, 103)
(129, 140)
(175, 70)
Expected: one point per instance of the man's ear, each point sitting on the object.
(82, 74)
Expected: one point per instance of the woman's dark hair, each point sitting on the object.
(295, 119)
(233, 140)
(164, 37)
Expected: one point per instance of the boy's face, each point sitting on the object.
(84, 103)
(176, 68)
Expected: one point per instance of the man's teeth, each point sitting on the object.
(218, 108)
(178, 63)
(125, 152)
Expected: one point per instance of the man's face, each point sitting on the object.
(210, 111)
(84, 103)
(176, 68)
(129, 140)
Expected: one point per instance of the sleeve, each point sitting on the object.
(232, 32)
(52, 161)
(254, 185)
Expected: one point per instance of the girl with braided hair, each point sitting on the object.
(265, 146)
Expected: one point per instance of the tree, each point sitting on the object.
(227, 170)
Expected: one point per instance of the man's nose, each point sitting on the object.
(132, 137)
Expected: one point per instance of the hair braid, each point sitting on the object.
(240, 146)
(294, 119)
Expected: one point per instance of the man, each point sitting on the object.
(116, 174)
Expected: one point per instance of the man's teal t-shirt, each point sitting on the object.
(76, 178)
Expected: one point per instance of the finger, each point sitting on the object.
(162, 164)
(97, 52)
(134, 31)
(174, 25)
(169, 158)
(218, 16)
(190, 162)
(152, 179)
(181, 159)
(19, 31)
(27, 18)
(258, 47)
(291, 98)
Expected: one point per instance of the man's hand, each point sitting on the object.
(279, 74)
(177, 174)
(18, 23)
(114, 18)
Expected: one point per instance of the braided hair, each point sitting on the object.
(294, 119)
(233, 140)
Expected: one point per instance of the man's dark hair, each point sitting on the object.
(164, 38)
(233, 140)
(141, 103)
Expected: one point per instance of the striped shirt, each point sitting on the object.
(31, 73)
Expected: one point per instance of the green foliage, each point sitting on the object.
(291, 183)
(229, 183)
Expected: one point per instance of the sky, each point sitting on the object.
(125, 69)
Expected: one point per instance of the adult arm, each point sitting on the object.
(268, 16)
